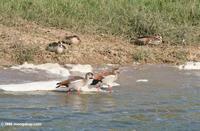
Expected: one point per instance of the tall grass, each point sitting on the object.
(174, 19)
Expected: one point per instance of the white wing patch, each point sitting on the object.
(75, 81)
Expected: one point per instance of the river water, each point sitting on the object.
(149, 98)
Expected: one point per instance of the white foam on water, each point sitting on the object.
(90, 89)
(52, 68)
(94, 89)
(32, 86)
(142, 80)
(80, 68)
(190, 66)
(112, 85)
(43, 86)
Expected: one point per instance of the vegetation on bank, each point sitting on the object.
(24, 53)
(175, 20)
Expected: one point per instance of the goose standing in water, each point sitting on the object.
(106, 78)
(77, 82)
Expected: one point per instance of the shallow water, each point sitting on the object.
(168, 100)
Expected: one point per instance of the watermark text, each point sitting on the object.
(21, 124)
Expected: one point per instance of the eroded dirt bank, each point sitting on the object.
(26, 41)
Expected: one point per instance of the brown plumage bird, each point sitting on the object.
(56, 47)
(106, 77)
(66, 83)
(74, 39)
(148, 40)
(77, 82)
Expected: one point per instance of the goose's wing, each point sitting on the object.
(146, 36)
(68, 81)
(63, 83)
(53, 44)
(63, 46)
(100, 77)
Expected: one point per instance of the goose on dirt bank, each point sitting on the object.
(148, 40)
(56, 47)
(74, 39)
(77, 82)
(106, 78)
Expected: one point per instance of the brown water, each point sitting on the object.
(170, 100)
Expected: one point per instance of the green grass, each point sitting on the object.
(176, 55)
(143, 55)
(175, 20)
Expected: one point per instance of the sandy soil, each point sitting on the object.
(94, 49)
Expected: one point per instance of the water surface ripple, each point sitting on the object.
(170, 100)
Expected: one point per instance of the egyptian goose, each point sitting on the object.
(56, 47)
(74, 39)
(106, 77)
(149, 40)
(77, 82)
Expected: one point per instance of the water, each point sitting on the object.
(168, 101)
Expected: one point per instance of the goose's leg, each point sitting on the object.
(78, 91)
(110, 88)
(69, 92)
(99, 85)
(98, 88)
